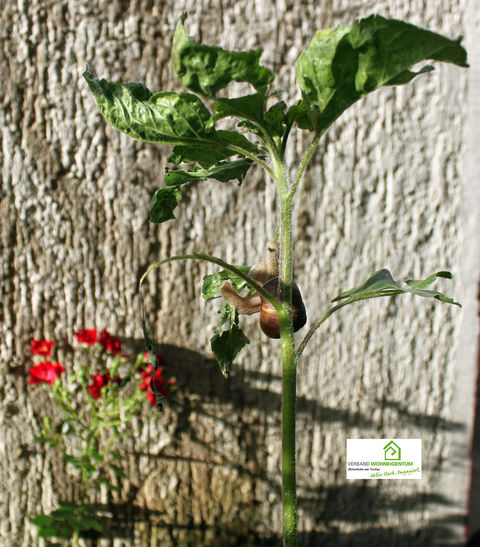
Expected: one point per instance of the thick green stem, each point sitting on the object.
(289, 361)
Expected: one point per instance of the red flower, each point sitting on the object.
(87, 336)
(110, 343)
(41, 347)
(158, 381)
(46, 372)
(99, 381)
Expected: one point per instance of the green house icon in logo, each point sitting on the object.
(392, 451)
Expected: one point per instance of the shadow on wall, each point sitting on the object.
(209, 487)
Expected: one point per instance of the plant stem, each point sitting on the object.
(289, 360)
(304, 162)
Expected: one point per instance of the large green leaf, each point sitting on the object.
(381, 283)
(207, 69)
(165, 117)
(181, 120)
(342, 65)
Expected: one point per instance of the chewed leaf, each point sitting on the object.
(207, 69)
(342, 65)
(227, 345)
(381, 283)
(212, 282)
(163, 203)
(423, 283)
(223, 172)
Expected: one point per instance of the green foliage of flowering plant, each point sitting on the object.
(95, 401)
(338, 68)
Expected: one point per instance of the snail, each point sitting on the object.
(265, 273)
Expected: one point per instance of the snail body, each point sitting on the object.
(266, 274)
(269, 316)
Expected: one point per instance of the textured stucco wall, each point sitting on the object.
(385, 189)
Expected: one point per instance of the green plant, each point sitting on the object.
(97, 399)
(338, 68)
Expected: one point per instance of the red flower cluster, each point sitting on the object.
(99, 381)
(158, 381)
(106, 340)
(41, 347)
(87, 336)
(110, 343)
(49, 372)
(45, 372)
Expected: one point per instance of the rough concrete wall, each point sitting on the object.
(384, 190)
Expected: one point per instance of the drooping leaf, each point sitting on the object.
(212, 283)
(152, 360)
(424, 283)
(223, 172)
(165, 117)
(209, 154)
(227, 345)
(207, 69)
(163, 203)
(381, 280)
(342, 65)
(234, 138)
(381, 283)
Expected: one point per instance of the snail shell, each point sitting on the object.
(268, 314)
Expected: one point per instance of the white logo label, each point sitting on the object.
(384, 458)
